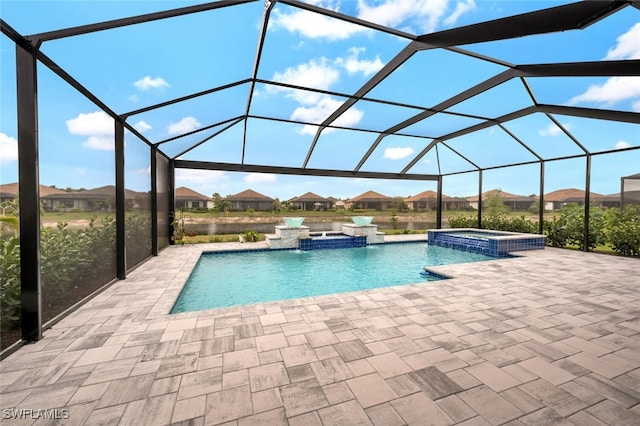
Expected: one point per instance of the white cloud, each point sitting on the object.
(622, 144)
(423, 14)
(320, 110)
(617, 89)
(462, 7)
(614, 90)
(194, 176)
(141, 126)
(397, 153)
(411, 15)
(317, 74)
(322, 74)
(628, 46)
(147, 83)
(187, 124)
(553, 130)
(93, 123)
(258, 178)
(354, 65)
(99, 128)
(100, 142)
(144, 171)
(314, 25)
(8, 149)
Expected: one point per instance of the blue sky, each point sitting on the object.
(137, 66)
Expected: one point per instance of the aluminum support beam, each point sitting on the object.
(121, 259)
(541, 201)
(480, 199)
(439, 204)
(133, 20)
(232, 167)
(171, 181)
(28, 171)
(154, 199)
(587, 202)
(572, 16)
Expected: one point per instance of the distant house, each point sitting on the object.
(310, 201)
(514, 202)
(335, 203)
(250, 199)
(428, 200)
(370, 200)
(630, 190)
(10, 191)
(556, 200)
(187, 198)
(96, 199)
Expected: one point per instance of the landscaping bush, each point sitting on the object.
(623, 230)
(572, 220)
(10, 303)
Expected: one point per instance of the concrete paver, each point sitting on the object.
(549, 337)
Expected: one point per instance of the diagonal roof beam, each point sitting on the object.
(391, 66)
(224, 129)
(256, 65)
(185, 98)
(470, 129)
(257, 168)
(460, 97)
(600, 114)
(572, 16)
(199, 130)
(629, 67)
(117, 23)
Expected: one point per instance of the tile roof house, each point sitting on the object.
(250, 199)
(188, 198)
(370, 200)
(557, 199)
(427, 200)
(310, 201)
(514, 202)
(9, 191)
(102, 198)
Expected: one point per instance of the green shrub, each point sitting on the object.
(10, 302)
(556, 232)
(463, 222)
(251, 236)
(623, 230)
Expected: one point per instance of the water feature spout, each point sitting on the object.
(293, 222)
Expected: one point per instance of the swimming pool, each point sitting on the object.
(230, 279)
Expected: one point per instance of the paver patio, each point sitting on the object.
(550, 337)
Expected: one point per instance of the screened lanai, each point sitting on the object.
(544, 94)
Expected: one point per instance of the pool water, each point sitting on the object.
(229, 279)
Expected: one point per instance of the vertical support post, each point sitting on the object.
(541, 212)
(621, 194)
(439, 204)
(587, 202)
(172, 198)
(480, 199)
(121, 259)
(29, 179)
(154, 200)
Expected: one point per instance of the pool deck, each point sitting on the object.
(551, 337)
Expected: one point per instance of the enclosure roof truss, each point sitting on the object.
(460, 40)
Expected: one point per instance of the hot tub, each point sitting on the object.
(487, 242)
